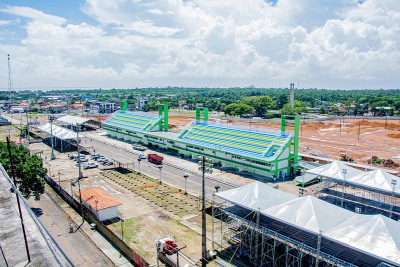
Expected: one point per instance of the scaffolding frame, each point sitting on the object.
(358, 199)
(256, 245)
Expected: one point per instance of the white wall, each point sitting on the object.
(107, 214)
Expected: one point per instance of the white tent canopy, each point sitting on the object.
(255, 196)
(335, 170)
(375, 234)
(59, 132)
(378, 179)
(72, 120)
(309, 213)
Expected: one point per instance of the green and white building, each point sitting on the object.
(259, 152)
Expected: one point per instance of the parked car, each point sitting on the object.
(102, 159)
(90, 165)
(83, 164)
(74, 156)
(141, 156)
(139, 147)
(95, 156)
(81, 158)
(108, 163)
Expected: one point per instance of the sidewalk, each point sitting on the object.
(101, 242)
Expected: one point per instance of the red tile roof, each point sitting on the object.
(104, 200)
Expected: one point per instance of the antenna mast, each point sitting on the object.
(10, 85)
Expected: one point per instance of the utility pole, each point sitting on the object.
(10, 83)
(17, 196)
(27, 126)
(206, 165)
(80, 172)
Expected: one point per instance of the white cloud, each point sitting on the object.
(230, 43)
(31, 13)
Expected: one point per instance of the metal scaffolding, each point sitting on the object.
(357, 199)
(248, 238)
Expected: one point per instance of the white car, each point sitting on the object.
(102, 159)
(90, 165)
(81, 158)
(141, 156)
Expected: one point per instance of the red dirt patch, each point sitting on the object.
(394, 136)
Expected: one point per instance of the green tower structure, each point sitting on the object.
(123, 105)
(163, 108)
(295, 137)
(199, 112)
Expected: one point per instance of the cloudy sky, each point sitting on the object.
(134, 43)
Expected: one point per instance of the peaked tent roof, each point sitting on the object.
(59, 132)
(72, 119)
(377, 179)
(255, 195)
(309, 213)
(334, 170)
(375, 234)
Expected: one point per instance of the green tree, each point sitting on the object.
(282, 100)
(287, 110)
(236, 109)
(261, 104)
(29, 173)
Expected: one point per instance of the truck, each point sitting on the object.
(154, 158)
(169, 253)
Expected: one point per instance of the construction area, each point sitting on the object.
(243, 234)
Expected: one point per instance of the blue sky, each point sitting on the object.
(338, 44)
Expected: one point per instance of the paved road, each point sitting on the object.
(169, 174)
(78, 248)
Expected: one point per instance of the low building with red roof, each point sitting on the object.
(100, 203)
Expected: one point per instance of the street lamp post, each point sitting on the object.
(394, 183)
(122, 229)
(344, 171)
(97, 212)
(160, 167)
(9, 135)
(51, 139)
(205, 164)
(72, 181)
(186, 176)
(139, 160)
(372, 155)
(59, 180)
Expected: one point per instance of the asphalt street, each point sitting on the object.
(169, 174)
(78, 248)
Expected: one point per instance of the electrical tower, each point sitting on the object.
(10, 84)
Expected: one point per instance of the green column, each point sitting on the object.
(296, 139)
(197, 115)
(205, 114)
(123, 105)
(166, 117)
(283, 124)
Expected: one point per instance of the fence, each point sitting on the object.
(121, 245)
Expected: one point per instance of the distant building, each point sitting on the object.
(141, 102)
(102, 107)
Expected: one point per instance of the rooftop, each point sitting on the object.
(98, 198)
